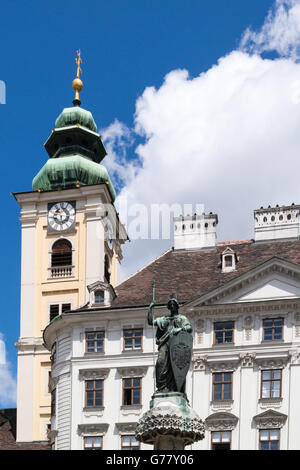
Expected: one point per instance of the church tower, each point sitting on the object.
(67, 224)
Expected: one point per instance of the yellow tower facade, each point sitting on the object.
(71, 239)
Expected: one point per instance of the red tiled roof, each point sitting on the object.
(194, 273)
(8, 434)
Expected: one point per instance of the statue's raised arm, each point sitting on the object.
(150, 313)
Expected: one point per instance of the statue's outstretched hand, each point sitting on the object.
(176, 330)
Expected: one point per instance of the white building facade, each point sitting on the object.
(243, 301)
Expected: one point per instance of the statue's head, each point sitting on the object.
(173, 305)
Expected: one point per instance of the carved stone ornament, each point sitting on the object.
(170, 416)
(154, 424)
(247, 359)
(132, 371)
(270, 419)
(297, 318)
(271, 363)
(199, 362)
(221, 421)
(92, 429)
(223, 366)
(126, 428)
(295, 357)
(93, 374)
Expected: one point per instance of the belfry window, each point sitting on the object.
(61, 253)
(61, 259)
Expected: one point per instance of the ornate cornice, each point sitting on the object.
(240, 308)
(203, 362)
(96, 374)
(246, 359)
(271, 362)
(270, 419)
(125, 428)
(221, 421)
(92, 429)
(136, 371)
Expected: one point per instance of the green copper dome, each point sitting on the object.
(76, 115)
(65, 172)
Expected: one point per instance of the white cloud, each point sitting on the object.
(8, 385)
(229, 138)
(280, 32)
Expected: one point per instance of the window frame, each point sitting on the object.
(95, 332)
(223, 331)
(131, 388)
(60, 308)
(222, 383)
(129, 447)
(269, 441)
(92, 448)
(94, 390)
(221, 433)
(98, 291)
(270, 381)
(133, 339)
(273, 329)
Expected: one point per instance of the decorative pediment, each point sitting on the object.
(92, 429)
(221, 421)
(93, 374)
(137, 371)
(273, 280)
(270, 419)
(126, 428)
(227, 364)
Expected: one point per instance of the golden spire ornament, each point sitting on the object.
(77, 83)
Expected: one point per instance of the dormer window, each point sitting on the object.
(101, 294)
(228, 260)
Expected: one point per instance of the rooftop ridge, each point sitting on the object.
(235, 242)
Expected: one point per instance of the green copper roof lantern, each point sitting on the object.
(75, 150)
(76, 115)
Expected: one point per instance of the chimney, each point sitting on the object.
(276, 223)
(193, 232)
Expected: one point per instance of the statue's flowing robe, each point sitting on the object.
(165, 381)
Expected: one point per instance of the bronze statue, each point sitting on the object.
(175, 342)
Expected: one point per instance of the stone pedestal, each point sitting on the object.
(170, 424)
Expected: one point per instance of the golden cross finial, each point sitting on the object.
(77, 83)
(78, 61)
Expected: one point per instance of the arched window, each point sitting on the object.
(61, 253)
(106, 269)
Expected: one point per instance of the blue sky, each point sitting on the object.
(126, 46)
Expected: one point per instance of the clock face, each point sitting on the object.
(109, 234)
(61, 216)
